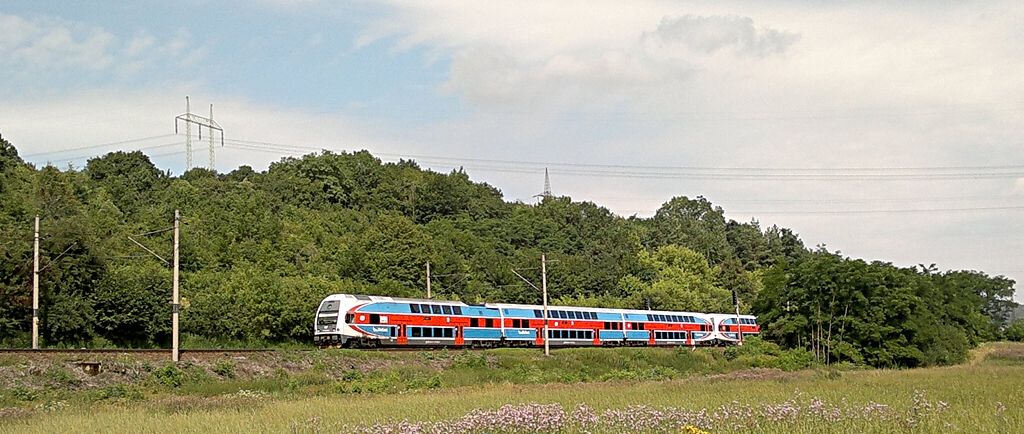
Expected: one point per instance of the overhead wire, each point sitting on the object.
(685, 172)
(101, 145)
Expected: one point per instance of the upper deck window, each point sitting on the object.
(330, 306)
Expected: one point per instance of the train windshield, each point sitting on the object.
(327, 318)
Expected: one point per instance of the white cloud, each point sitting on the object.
(48, 46)
(710, 34)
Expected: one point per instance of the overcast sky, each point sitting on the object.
(827, 117)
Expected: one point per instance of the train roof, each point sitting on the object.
(377, 298)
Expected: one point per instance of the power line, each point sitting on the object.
(144, 148)
(708, 173)
(101, 145)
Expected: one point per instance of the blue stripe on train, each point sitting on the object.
(376, 330)
(481, 333)
(514, 334)
(638, 335)
(606, 335)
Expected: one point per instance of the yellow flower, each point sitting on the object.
(690, 429)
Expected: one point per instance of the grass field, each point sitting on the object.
(986, 395)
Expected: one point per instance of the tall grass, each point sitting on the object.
(445, 387)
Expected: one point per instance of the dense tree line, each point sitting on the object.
(259, 250)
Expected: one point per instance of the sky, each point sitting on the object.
(888, 131)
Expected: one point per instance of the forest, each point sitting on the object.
(259, 249)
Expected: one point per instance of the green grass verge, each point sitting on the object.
(979, 397)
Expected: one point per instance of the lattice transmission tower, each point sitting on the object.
(547, 186)
(189, 118)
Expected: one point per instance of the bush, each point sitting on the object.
(119, 392)
(23, 394)
(169, 376)
(224, 368)
(1015, 332)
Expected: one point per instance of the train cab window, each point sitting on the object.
(435, 309)
(474, 322)
(457, 310)
(414, 308)
(447, 310)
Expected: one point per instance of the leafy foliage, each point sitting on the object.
(260, 249)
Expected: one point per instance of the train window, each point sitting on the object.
(515, 323)
(537, 314)
(490, 322)
(474, 322)
(457, 310)
(374, 318)
(425, 309)
(415, 331)
(566, 314)
(414, 308)
(435, 309)
(662, 318)
(447, 310)
(448, 333)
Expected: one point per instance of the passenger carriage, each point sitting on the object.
(372, 321)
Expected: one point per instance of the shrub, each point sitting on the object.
(170, 376)
(224, 368)
(1015, 332)
(23, 394)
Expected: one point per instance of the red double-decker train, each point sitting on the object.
(363, 321)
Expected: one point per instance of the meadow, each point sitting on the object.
(647, 390)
